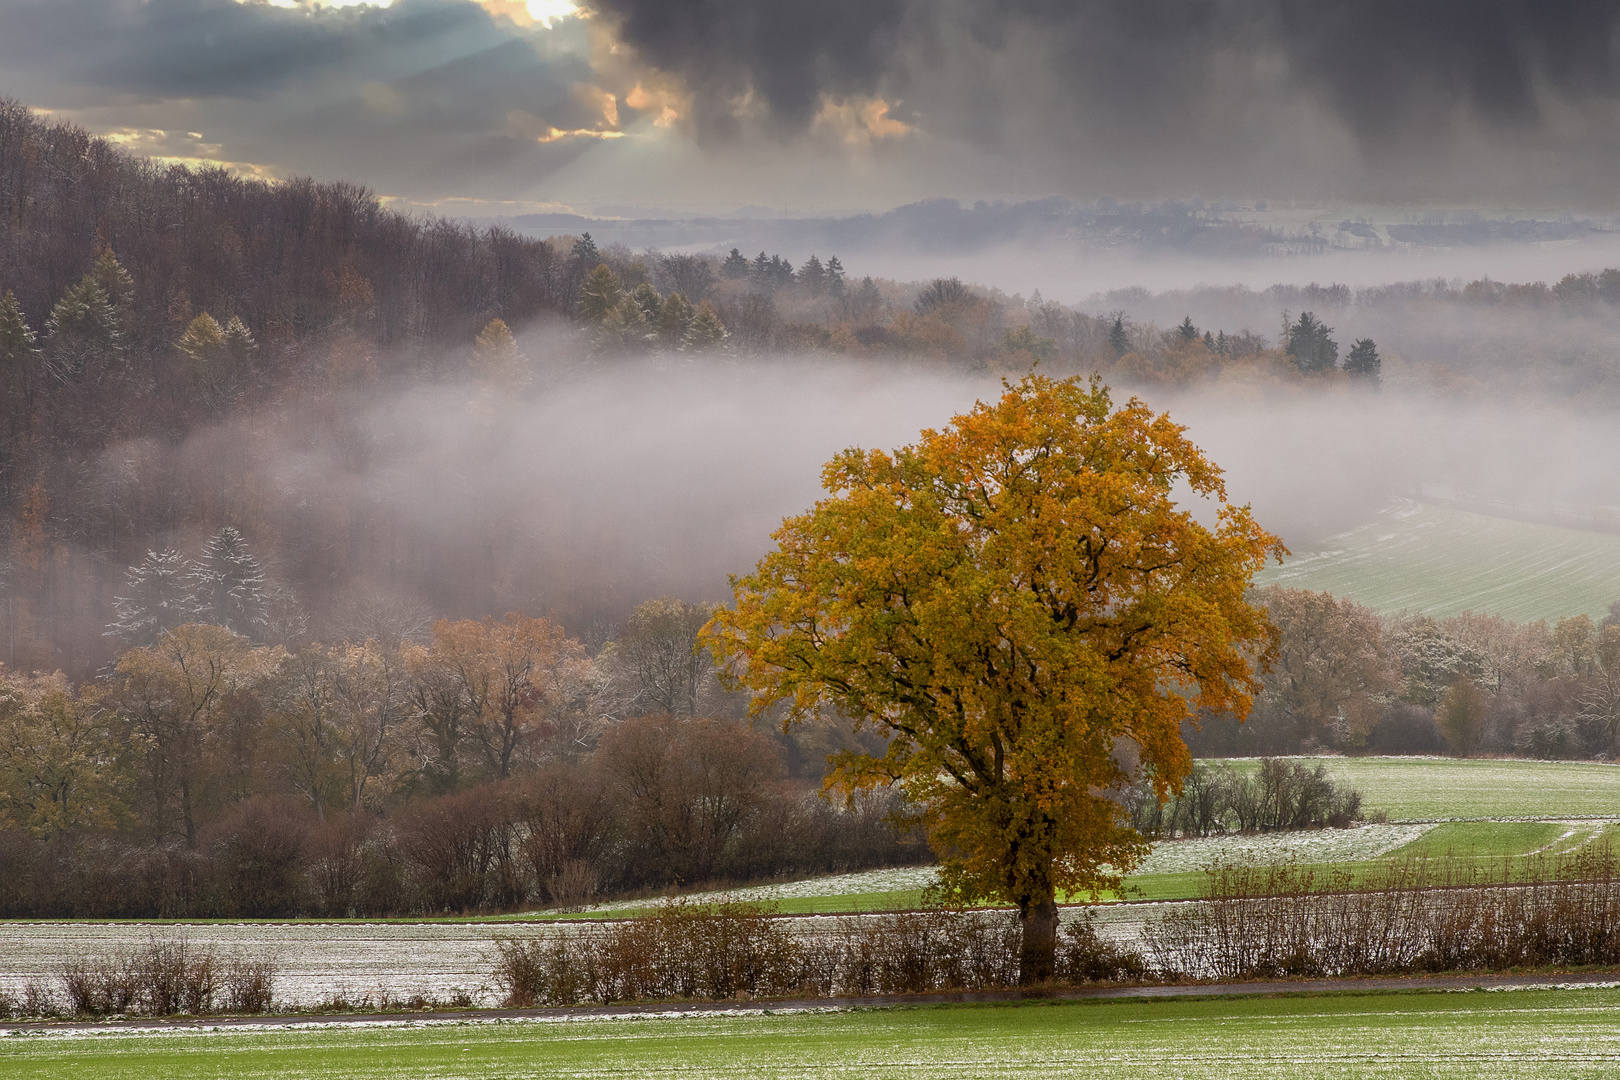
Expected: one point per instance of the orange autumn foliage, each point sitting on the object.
(1012, 598)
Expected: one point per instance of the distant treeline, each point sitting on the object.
(1347, 679)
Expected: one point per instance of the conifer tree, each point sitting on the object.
(239, 343)
(761, 270)
(674, 320)
(1118, 338)
(736, 266)
(625, 327)
(1311, 346)
(600, 294)
(82, 331)
(585, 251)
(1187, 330)
(835, 276)
(117, 283)
(706, 331)
(159, 594)
(646, 298)
(18, 347)
(230, 586)
(204, 339)
(495, 352)
(1364, 363)
(813, 276)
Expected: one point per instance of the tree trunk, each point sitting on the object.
(1038, 956)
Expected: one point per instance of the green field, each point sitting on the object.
(1437, 561)
(1518, 1034)
(1440, 789)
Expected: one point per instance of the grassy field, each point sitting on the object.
(1519, 1034)
(1441, 789)
(1438, 561)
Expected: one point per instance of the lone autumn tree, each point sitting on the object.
(1015, 599)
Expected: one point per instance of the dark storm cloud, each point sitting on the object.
(1142, 77)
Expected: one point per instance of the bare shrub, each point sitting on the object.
(1268, 921)
(167, 977)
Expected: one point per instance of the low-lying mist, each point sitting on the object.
(629, 480)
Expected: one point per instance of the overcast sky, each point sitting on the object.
(834, 105)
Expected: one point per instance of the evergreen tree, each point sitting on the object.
(868, 300)
(835, 276)
(18, 346)
(674, 320)
(781, 272)
(1364, 363)
(1222, 346)
(813, 276)
(1187, 330)
(585, 252)
(204, 339)
(159, 594)
(646, 298)
(736, 267)
(82, 331)
(1209, 341)
(706, 331)
(495, 353)
(600, 294)
(1118, 338)
(229, 585)
(239, 343)
(625, 327)
(1311, 346)
(761, 270)
(117, 283)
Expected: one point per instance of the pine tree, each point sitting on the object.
(781, 272)
(813, 276)
(82, 331)
(736, 266)
(674, 320)
(229, 585)
(706, 331)
(1311, 346)
(239, 343)
(1118, 338)
(204, 339)
(625, 327)
(1187, 330)
(1364, 363)
(585, 252)
(600, 294)
(495, 353)
(18, 347)
(646, 298)
(760, 270)
(835, 276)
(117, 283)
(159, 594)
(1222, 346)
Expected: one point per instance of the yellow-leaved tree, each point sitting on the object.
(1014, 598)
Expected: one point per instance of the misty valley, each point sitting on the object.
(450, 612)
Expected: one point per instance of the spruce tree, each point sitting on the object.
(1364, 363)
(159, 594)
(736, 266)
(646, 298)
(1118, 338)
(835, 276)
(674, 320)
(600, 294)
(760, 271)
(585, 251)
(1187, 330)
(706, 331)
(625, 327)
(1310, 345)
(82, 331)
(18, 346)
(813, 276)
(229, 585)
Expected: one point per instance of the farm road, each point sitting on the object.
(1193, 990)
